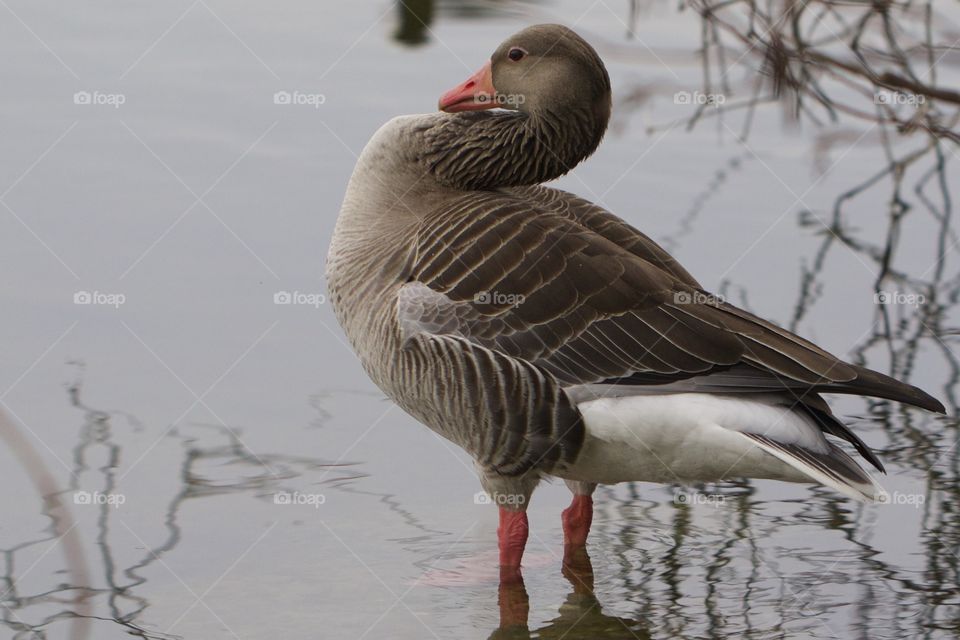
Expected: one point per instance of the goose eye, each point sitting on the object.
(516, 54)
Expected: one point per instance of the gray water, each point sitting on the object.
(150, 432)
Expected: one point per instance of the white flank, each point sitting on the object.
(697, 437)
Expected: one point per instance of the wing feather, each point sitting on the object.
(561, 284)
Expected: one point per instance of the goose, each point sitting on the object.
(547, 337)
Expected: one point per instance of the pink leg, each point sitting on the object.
(576, 521)
(512, 537)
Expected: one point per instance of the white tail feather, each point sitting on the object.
(863, 489)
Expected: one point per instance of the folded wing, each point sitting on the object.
(558, 282)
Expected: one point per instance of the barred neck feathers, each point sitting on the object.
(487, 150)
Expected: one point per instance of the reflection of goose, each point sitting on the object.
(580, 616)
(546, 336)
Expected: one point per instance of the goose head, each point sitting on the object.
(531, 114)
(544, 69)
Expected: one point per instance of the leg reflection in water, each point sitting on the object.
(580, 617)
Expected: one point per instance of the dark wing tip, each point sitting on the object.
(932, 404)
(819, 411)
(874, 383)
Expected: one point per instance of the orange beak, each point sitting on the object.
(476, 94)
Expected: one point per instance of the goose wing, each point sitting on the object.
(566, 286)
